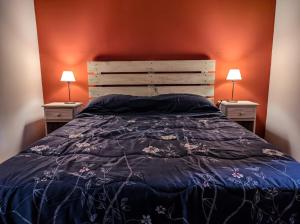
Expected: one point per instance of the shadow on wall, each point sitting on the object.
(147, 57)
(32, 132)
(282, 143)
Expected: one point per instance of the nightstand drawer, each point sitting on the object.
(241, 112)
(58, 114)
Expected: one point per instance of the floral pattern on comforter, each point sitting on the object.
(159, 168)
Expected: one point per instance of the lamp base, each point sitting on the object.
(232, 101)
(69, 102)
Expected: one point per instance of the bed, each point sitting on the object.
(170, 158)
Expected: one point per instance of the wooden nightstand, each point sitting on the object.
(242, 112)
(58, 114)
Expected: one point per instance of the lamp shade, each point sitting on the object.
(234, 74)
(67, 76)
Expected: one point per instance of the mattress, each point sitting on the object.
(150, 168)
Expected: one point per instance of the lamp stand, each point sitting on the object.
(232, 93)
(69, 91)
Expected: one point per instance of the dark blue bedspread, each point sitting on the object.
(163, 168)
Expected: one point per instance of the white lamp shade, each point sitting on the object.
(234, 74)
(67, 76)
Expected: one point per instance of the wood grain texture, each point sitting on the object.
(241, 112)
(56, 114)
(207, 91)
(153, 79)
(150, 78)
(132, 90)
(151, 66)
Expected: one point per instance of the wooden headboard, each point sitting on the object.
(149, 78)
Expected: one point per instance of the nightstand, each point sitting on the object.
(242, 112)
(58, 114)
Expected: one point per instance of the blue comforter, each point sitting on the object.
(150, 168)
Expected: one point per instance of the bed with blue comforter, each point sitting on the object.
(163, 159)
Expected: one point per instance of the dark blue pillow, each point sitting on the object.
(167, 103)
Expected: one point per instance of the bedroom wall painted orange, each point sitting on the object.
(237, 33)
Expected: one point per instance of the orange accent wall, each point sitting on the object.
(236, 33)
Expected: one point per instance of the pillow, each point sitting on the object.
(167, 103)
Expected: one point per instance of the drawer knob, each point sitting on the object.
(241, 113)
(58, 115)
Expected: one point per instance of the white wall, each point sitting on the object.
(20, 79)
(283, 118)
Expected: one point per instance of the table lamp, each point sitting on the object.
(233, 75)
(68, 76)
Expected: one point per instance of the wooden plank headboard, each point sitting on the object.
(149, 78)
